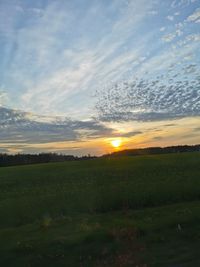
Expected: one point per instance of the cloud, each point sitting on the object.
(164, 87)
(171, 18)
(182, 3)
(131, 134)
(3, 97)
(169, 37)
(153, 12)
(57, 54)
(157, 138)
(162, 29)
(195, 17)
(62, 52)
(196, 129)
(163, 98)
(170, 125)
(195, 37)
(21, 127)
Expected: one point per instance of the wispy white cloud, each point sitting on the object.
(162, 29)
(45, 66)
(171, 18)
(169, 37)
(3, 97)
(57, 54)
(182, 3)
(195, 17)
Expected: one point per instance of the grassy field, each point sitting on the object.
(117, 212)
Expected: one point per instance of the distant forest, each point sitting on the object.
(154, 150)
(23, 159)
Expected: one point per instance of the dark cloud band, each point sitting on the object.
(17, 126)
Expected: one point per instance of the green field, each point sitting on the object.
(116, 212)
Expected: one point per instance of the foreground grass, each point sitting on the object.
(105, 212)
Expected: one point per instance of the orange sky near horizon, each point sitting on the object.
(145, 134)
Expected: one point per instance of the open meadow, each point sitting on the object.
(117, 212)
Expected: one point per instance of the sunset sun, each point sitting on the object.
(116, 143)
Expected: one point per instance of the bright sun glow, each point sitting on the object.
(116, 143)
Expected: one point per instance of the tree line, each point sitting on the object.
(155, 150)
(23, 159)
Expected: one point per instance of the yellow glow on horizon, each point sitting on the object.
(166, 133)
(116, 143)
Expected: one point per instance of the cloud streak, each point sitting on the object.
(97, 51)
(21, 127)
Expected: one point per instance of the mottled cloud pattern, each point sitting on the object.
(166, 85)
(175, 96)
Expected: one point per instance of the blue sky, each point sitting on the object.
(111, 63)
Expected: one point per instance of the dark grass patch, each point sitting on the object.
(105, 212)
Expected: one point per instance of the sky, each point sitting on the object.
(75, 75)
